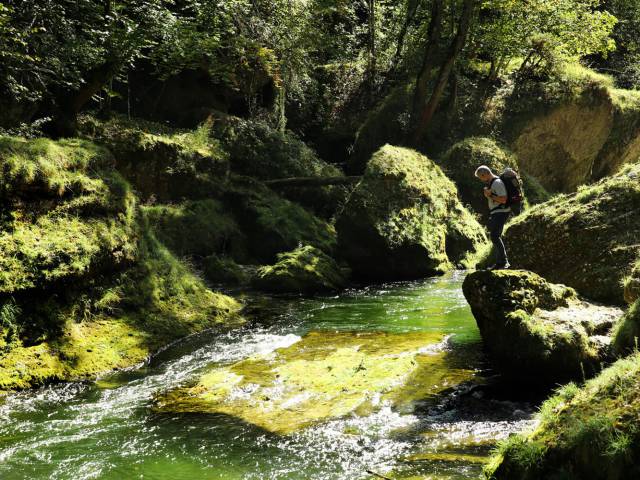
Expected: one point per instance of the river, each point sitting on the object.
(107, 429)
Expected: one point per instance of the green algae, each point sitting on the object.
(582, 432)
(304, 270)
(325, 375)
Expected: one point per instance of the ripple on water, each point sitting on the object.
(106, 430)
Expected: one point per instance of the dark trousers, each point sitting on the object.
(496, 226)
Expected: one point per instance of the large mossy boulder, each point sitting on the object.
(323, 376)
(537, 330)
(404, 220)
(587, 240)
(461, 161)
(304, 270)
(590, 432)
(258, 150)
(162, 163)
(85, 287)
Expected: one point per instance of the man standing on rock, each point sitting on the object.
(496, 193)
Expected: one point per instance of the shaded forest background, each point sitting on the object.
(315, 67)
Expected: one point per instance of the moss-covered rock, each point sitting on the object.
(304, 270)
(224, 270)
(272, 224)
(461, 161)
(85, 286)
(162, 163)
(590, 432)
(632, 284)
(404, 219)
(587, 240)
(534, 329)
(325, 375)
(626, 337)
(197, 228)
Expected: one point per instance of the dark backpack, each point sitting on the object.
(512, 182)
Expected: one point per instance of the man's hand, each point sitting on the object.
(487, 192)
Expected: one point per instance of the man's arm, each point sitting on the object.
(501, 199)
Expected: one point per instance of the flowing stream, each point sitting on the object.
(107, 429)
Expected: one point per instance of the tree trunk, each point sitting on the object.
(311, 181)
(71, 102)
(412, 8)
(372, 46)
(426, 115)
(428, 63)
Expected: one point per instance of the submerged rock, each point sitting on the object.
(582, 433)
(404, 220)
(538, 330)
(323, 376)
(588, 240)
(304, 270)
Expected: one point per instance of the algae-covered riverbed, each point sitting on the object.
(259, 404)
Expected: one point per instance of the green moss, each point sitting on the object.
(404, 219)
(587, 240)
(198, 227)
(589, 432)
(223, 270)
(626, 336)
(323, 376)
(273, 224)
(304, 270)
(85, 286)
(536, 329)
(162, 163)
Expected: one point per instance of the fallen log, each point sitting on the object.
(312, 181)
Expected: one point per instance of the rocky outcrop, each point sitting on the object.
(588, 432)
(587, 240)
(571, 129)
(538, 330)
(323, 376)
(85, 287)
(404, 220)
(304, 270)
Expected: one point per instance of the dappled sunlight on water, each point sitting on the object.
(108, 430)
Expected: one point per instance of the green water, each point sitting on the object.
(108, 431)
